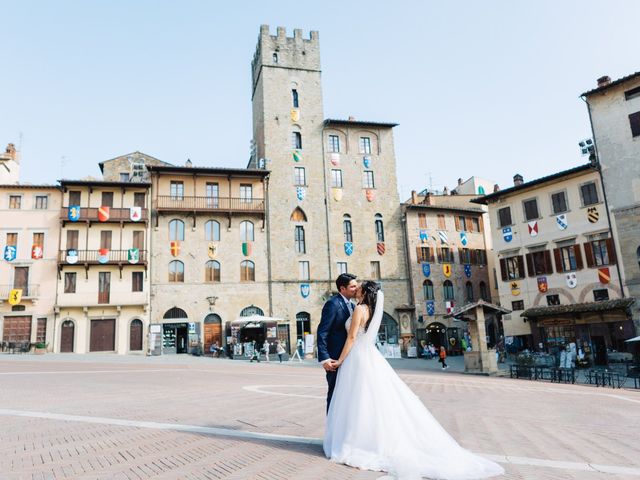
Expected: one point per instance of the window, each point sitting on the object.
(275, 58)
(517, 305)
(589, 193)
(375, 270)
(334, 144)
(299, 176)
(367, 179)
(568, 258)
(342, 267)
(601, 295)
(530, 209)
(247, 271)
(461, 224)
(212, 231)
(512, 268)
(107, 199)
(12, 239)
(137, 279)
(70, 282)
(559, 202)
(600, 252)
(442, 225)
(139, 199)
(303, 270)
(465, 255)
(445, 255)
(425, 254)
(15, 201)
(447, 287)
(336, 178)
(633, 93)
(296, 140)
(246, 192)
(294, 98)
(484, 292)
(246, 231)
(41, 332)
(72, 239)
(212, 271)
(346, 229)
(38, 239)
(41, 202)
(74, 197)
(176, 271)
(634, 123)
(468, 290)
(124, 176)
(298, 215)
(638, 255)
(379, 228)
(299, 240)
(427, 290)
(105, 239)
(481, 257)
(539, 263)
(177, 190)
(553, 300)
(138, 240)
(422, 220)
(104, 286)
(212, 192)
(504, 217)
(475, 224)
(365, 145)
(176, 230)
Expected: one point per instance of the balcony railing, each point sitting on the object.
(115, 215)
(30, 291)
(114, 257)
(226, 204)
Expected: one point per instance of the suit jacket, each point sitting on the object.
(332, 334)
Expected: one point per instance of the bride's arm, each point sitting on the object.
(356, 320)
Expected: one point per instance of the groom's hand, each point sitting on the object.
(329, 365)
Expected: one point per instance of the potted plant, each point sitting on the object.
(41, 348)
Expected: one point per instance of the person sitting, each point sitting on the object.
(214, 349)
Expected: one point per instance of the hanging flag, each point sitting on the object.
(135, 214)
(348, 248)
(572, 280)
(103, 255)
(463, 239)
(370, 195)
(542, 284)
(444, 238)
(300, 193)
(562, 222)
(74, 213)
(133, 255)
(515, 289)
(426, 269)
(174, 247)
(10, 252)
(446, 269)
(337, 194)
(449, 305)
(366, 161)
(36, 252)
(15, 296)
(295, 115)
(305, 290)
(246, 248)
(533, 228)
(431, 308)
(104, 213)
(604, 275)
(424, 236)
(507, 234)
(72, 256)
(212, 250)
(335, 159)
(467, 270)
(592, 214)
(297, 155)
(380, 248)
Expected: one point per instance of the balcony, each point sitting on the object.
(29, 292)
(209, 204)
(91, 257)
(95, 298)
(116, 215)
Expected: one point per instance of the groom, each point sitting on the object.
(332, 333)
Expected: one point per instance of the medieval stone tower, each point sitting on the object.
(333, 200)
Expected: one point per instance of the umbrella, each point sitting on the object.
(634, 339)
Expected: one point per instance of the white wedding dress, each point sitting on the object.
(375, 422)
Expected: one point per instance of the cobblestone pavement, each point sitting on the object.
(112, 417)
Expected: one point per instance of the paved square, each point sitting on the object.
(111, 417)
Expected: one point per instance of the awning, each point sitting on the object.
(634, 339)
(255, 319)
(589, 307)
(487, 306)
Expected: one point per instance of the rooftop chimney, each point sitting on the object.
(10, 151)
(352, 119)
(414, 197)
(459, 181)
(496, 188)
(518, 180)
(188, 163)
(428, 199)
(445, 191)
(604, 81)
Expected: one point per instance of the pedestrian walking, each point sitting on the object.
(255, 355)
(265, 349)
(443, 356)
(279, 350)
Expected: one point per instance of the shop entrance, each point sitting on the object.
(175, 337)
(599, 350)
(436, 334)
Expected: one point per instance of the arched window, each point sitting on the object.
(252, 310)
(174, 313)
(246, 231)
(346, 228)
(298, 215)
(448, 290)
(247, 271)
(296, 140)
(468, 288)
(427, 289)
(303, 324)
(212, 271)
(484, 293)
(299, 240)
(275, 58)
(212, 231)
(176, 230)
(176, 271)
(294, 97)
(379, 228)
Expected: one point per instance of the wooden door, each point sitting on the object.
(212, 334)
(103, 335)
(104, 286)
(135, 336)
(66, 337)
(17, 329)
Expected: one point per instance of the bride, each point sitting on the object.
(375, 422)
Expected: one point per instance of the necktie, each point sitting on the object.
(350, 307)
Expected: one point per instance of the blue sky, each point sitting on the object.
(488, 88)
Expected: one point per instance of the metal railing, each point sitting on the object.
(169, 202)
(93, 257)
(115, 215)
(29, 291)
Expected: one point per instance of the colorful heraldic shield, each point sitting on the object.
(174, 247)
(444, 238)
(15, 296)
(380, 248)
(348, 248)
(533, 228)
(572, 280)
(335, 159)
(463, 239)
(104, 213)
(592, 214)
(561, 221)
(212, 250)
(133, 255)
(366, 161)
(36, 252)
(604, 275)
(446, 269)
(295, 115)
(305, 290)
(337, 194)
(297, 155)
(300, 193)
(449, 305)
(507, 234)
(542, 284)
(426, 269)
(424, 236)
(370, 195)
(515, 289)
(431, 308)
(103, 255)
(467, 270)
(135, 214)
(10, 252)
(72, 256)
(246, 248)
(74, 213)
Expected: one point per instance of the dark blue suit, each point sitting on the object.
(332, 335)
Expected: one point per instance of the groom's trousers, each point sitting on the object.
(331, 381)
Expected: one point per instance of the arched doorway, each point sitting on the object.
(135, 336)
(436, 334)
(388, 331)
(251, 310)
(303, 325)
(67, 334)
(175, 333)
(212, 332)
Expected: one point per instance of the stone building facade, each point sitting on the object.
(614, 111)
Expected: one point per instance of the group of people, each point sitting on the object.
(255, 354)
(430, 351)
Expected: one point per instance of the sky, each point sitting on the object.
(484, 87)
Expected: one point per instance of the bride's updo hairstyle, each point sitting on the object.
(369, 295)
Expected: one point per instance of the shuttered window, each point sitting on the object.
(539, 263)
(530, 209)
(504, 217)
(634, 123)
(559, 202)
(568, 258)
(512, 268)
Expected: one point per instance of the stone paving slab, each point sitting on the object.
(51, 408)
